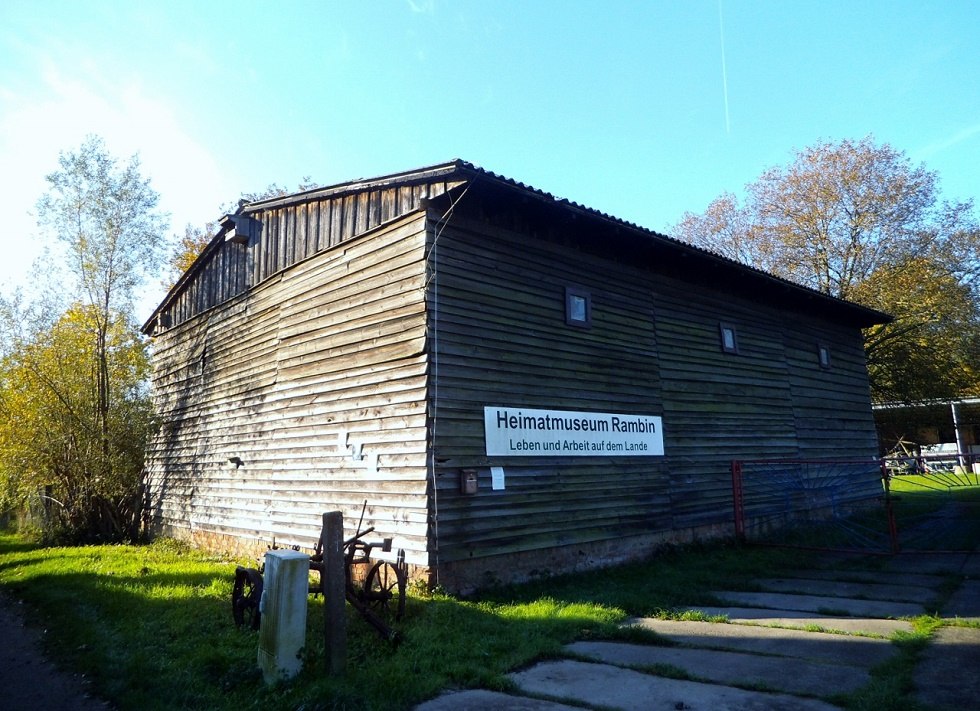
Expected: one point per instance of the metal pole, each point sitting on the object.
(960, 444)
(890, 508)
(334, 601)
(737, 500)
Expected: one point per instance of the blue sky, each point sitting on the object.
(643, 110)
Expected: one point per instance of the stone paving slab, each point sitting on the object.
(794, 676)
(965, 602)
(612, 687)
(847, 589)
(929, 563)
(761, 646)
(819, 603)
(861, 652)
(802, 619)
(946, 677)
(924, 580)
(481, 700)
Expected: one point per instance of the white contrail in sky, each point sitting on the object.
(724, 71)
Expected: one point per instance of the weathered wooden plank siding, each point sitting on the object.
(831, 408)
(289, 376)
(718, 406)
(497, 306)
(830, 405)
(771, 400)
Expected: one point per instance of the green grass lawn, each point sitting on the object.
(152, 627)
(936, 512)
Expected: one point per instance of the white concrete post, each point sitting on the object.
(283, 606)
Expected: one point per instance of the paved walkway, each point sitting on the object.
(789, 647)
(800, 643)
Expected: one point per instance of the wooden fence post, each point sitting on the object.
(334, 602)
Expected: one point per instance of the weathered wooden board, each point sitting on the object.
(348, 350)
(282, 236)
(292, 380)
(497, 305)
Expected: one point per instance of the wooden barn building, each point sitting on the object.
(516, 384)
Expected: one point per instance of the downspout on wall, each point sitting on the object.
(433, 261)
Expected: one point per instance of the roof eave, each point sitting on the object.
(861, 316)
(408, 177)
(856, 314)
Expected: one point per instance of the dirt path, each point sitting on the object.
(28, 681)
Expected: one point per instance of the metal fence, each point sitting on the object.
(881, 506)
(813, 503)
(934, 501)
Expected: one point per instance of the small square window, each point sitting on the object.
(729, 338)
(578, 307)
(823, 356)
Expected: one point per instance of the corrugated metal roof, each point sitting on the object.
(871, 316)
(418, 175)
(466, 170)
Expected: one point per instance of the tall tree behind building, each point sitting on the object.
(72, 382)
(856, 220)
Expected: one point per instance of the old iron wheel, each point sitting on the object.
(245, 596)
(384, 589)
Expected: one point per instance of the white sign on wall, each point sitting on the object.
(521, 432)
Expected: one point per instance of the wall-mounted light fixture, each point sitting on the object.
(236, 461)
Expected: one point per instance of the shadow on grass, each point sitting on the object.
(152, 626)
(674, 578)
(153, 630)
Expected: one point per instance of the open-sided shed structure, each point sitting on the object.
(515, 383)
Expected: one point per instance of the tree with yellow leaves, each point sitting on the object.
(856, 220)
(73, 381)
(78, 473)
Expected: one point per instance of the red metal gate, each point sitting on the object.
(811, 503)
(935, 501)
(878, 506)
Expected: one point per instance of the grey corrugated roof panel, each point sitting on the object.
(467, 170)
(944, 402)
(873, 316)
(417, 175)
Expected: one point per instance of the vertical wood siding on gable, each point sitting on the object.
(283, 236)
(223, 276)
(274, 376)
